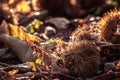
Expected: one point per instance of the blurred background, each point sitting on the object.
(22, 12)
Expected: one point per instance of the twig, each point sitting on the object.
(110, 45)
(103, 44)
(4, 64)
(107, 76)
(21, 67)
(65, 76)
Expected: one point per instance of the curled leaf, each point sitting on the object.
(20, 33)
(32, 64)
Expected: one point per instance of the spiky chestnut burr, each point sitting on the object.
(82, 36)
(86, 32)
(82, 58)
(109, 26)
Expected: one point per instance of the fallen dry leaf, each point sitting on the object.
(13, 72)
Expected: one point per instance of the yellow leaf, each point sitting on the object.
(23, 7)
(14, 30)
(32, 64)
(33, 38)
(38, 61)
(38, 24)
(20, 33)
(56, 40)
(11, 1)
(32, 29)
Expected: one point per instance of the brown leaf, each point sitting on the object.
(13, 72)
